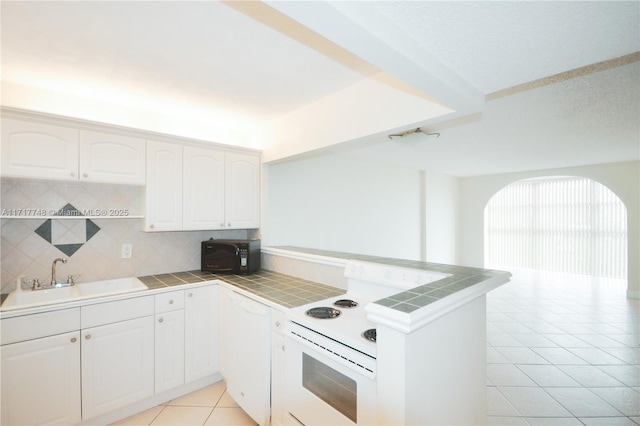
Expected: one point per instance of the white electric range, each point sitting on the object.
(331, 347)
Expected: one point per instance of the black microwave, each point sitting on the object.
(231, 256)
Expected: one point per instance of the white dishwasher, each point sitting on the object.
(245, 359)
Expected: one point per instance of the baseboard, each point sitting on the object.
(633, 294)
(154, 401)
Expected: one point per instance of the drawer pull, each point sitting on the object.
(88, 336)
(171, 302)
(160, 320)
(73, 340)
(190, 294)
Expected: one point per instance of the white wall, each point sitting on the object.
(621, 178)
(441, 218)
(337, 203)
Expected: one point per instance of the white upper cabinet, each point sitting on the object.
(164, 187)
(242, 191)
(203, 189)
(112, 158)
(195, 188)
(45, 151)
(41, 151)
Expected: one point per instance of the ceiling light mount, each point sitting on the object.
(414, 135)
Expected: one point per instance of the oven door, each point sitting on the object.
(320, 391)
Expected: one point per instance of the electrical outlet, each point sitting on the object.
(127, 250)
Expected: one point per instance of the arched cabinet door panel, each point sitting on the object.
(111, 158)
(36, 150)
(242, 188)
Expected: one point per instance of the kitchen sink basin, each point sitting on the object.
(100, 288)
(43, 296)
(78, 291)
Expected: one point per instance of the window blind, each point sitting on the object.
(566, 224)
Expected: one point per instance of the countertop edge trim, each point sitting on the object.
(407, 323)
(12, 312)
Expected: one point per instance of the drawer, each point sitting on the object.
(172, 301)
(27, 327)
(121, 310)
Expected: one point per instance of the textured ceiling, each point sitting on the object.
(203, 55)
(239, 64)
(498, 44)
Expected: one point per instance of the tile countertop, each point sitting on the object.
(288, 292)
(273, 288)
(279, 289)
(410, 309)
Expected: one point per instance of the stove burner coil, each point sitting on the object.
(323, 312)
(370, 334)
(346, 303)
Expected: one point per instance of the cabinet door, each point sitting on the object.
(34, 150)
(41, 381)
(164, 187)
(278, 321)
(112, 158)
(201, 332)
(247, 347)
(169, 352)
(117, 365)
(203, 189)
(242, 191)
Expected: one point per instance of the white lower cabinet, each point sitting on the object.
(73, 365)
(278, 321)
(117, 365)
(169, 353)
(169, 329)
(201, 317)
(41, 381)
(246, 349)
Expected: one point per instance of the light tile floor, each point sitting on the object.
(560, 351)
(211, 406)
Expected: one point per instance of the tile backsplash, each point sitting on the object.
(93, 246)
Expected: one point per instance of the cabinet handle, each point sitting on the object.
(85, 175)
(160, 320)
(277, 323)
(190, 295)
(73, 340)
(222, 225)
(88, 336)
(171, 302)
(151, 226)
(72, 174)
(229, 224)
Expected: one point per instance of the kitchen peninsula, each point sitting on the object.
(431, 360)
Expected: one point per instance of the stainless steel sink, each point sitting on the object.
(79, 291)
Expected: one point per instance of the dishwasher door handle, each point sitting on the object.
(248, 305)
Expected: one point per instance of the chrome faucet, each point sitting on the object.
(53, 272)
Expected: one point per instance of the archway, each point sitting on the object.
(561, 224)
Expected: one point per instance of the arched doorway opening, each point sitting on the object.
(558, 224)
